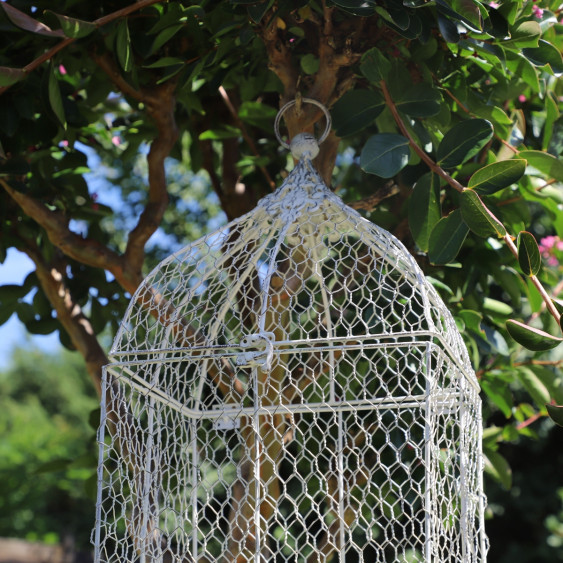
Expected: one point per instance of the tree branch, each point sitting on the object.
(280, 60)
(69, 314)
(86, 251)
(457, 186)
(107, 64)
(245, 134)
(544, 295)
(369, 203)
(160, 106)
(418, 150)
(466, 110)
(208, 165)
(139, 5)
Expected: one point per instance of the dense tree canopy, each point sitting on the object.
(129, 128)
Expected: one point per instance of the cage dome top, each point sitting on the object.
(302, 268)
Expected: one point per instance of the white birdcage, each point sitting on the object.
(290, 388)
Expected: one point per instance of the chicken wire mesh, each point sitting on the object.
(290, 388)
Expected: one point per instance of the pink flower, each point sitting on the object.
(548, 247)
(64, 143)
(116, 140)
(494, 5)
(547, 243)
(521, 98)
(537, 11)
(62, 70)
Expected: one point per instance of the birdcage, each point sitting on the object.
(290, 388)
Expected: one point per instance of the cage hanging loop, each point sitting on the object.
(303, 143)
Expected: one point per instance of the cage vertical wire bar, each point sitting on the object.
(297, 391)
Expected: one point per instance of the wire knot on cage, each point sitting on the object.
(260, 358)
(290, 387)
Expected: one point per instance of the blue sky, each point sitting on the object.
(12, 333)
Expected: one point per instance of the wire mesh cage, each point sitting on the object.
(290, 388)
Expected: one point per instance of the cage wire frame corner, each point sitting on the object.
(290, 388)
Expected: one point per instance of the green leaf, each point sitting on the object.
(463, 141)
(544, 162)
(12, 292)
(551, 379)
(525, 34)
(420, 100)
(472, 320)
(500, 395)
(529, 256)
(385, 154)
(258, 114)
(496, 24)
(558, 304)
(545, 54)
(356, 110)
(165, 62)
(258, 11)
(123, 46)
(357, 7)
(447, 238)
(375, 66)
(551, 115)
(478, 217)
(523, 68)
(73, 27)
(9, 76)
(530, 337)
(492, 435)
(496, 176)
(418, 3)
(228, 132)
(399, 16)
(55, 98)
(94, 418)
(440, 285)
(494, 341)
(497, 467)
(496, 308)
(424, 209)
(309, 63)
(23, 21)
(448, 29)
(469, 10)
(555, 412)
(555, 145)
(164, 36)
(533, 384)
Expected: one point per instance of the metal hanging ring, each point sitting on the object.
(291, 104)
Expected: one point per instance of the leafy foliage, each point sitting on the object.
(48, 449)
(457, 103)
